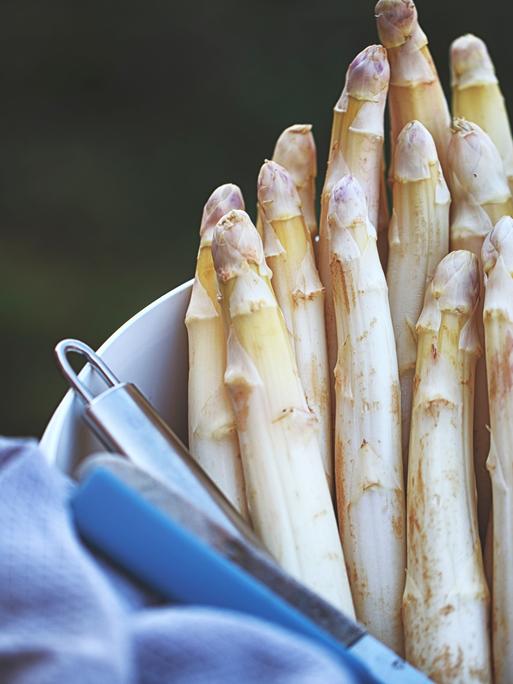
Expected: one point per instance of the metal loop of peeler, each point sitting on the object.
(63, 348)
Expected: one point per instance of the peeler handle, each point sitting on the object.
(152, 547)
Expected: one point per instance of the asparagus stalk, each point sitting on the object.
(358, 127)
(213, 438)
(445, 605)
(418, 239)
(295, 151)
(368, 465)
(287, 491)
(299, 293)
(481, 196)
(337, 168)
(415, 91)
(477, 97)
(498, 325)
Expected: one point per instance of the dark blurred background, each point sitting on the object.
(118, 119)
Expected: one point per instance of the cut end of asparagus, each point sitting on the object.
(398, 23)
(414, 154)
(476, 165)
(237, 245)
(224, 198)
(470, 63)
(368, 75)
(455, 285)
(295, 150)
(277, 194)
(499, 243)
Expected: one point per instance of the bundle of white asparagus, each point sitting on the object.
(365, 376)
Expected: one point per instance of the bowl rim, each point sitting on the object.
(53, 430)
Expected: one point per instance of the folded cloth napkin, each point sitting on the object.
(68, 616)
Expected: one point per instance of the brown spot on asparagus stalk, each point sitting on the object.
(501, 370)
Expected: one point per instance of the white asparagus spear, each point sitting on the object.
(498, 326)
(213, 441)
(295, 151)
(415, 91)
(299, 293)
(480, 197)
(356, 146)
(358, 122)
(337, 168)
(445, 607)
(368, 465)
(477, 97)
(287, 491)
(418, 240)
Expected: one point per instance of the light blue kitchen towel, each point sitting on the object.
(68, 616)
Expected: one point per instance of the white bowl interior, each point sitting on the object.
(149, 350)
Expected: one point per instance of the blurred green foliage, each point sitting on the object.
(118, 119)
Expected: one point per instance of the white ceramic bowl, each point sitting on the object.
(149, 350)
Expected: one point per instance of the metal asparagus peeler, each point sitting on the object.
(127, 424)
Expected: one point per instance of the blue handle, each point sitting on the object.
(148, 544)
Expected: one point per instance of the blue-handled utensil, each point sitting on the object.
(164, 555)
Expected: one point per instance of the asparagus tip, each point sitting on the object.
(463, 127)
(277, 194)
(224, 198)
(397, 21)
(367, 77)
(456, 282)
(470, 62)
(499, 243)
(297, 129)
(368, 74)
(475, 163)
(295, 150)
(348, 205)
(414, 153)
(236, 244)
